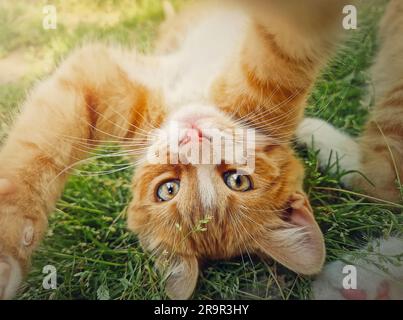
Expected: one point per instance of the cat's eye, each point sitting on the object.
(238, 182)
(168, 190)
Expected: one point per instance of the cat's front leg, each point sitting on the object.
(335, 148)
(88, 99)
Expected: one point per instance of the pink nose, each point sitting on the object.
(192, 134)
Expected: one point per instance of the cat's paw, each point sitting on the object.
(333, 145)
(10, 276)
(22, 223)
(371, 285)
(371, 279)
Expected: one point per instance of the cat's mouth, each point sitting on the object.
(194, 134)
(196, 125)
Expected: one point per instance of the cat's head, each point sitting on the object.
(191, 210)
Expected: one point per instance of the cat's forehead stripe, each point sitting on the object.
(207, 190)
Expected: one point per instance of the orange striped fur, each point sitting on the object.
(381, 142)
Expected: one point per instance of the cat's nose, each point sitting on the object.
(192, 134)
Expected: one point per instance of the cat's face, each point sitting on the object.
(187, 212)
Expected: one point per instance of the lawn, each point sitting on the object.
(95, 256)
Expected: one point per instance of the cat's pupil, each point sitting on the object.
(238, 180)
(170, 188)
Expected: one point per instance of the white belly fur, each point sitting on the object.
(209, 47)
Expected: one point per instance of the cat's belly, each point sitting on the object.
(205, 54)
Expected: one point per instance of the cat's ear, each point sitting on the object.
(298, 244)
(182, 275)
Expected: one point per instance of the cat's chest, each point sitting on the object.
(206, 53)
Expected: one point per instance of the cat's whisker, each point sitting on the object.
(259, 108)
(131, 125)
(83, 161)
(272, 109)
(270, 124)
(109, 134)
(102, 173)
(242, 241)
(96, 142)
(127, 130)
(239, 223)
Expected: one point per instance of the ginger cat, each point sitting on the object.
(248, 65)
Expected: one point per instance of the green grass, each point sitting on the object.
(95, 256)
